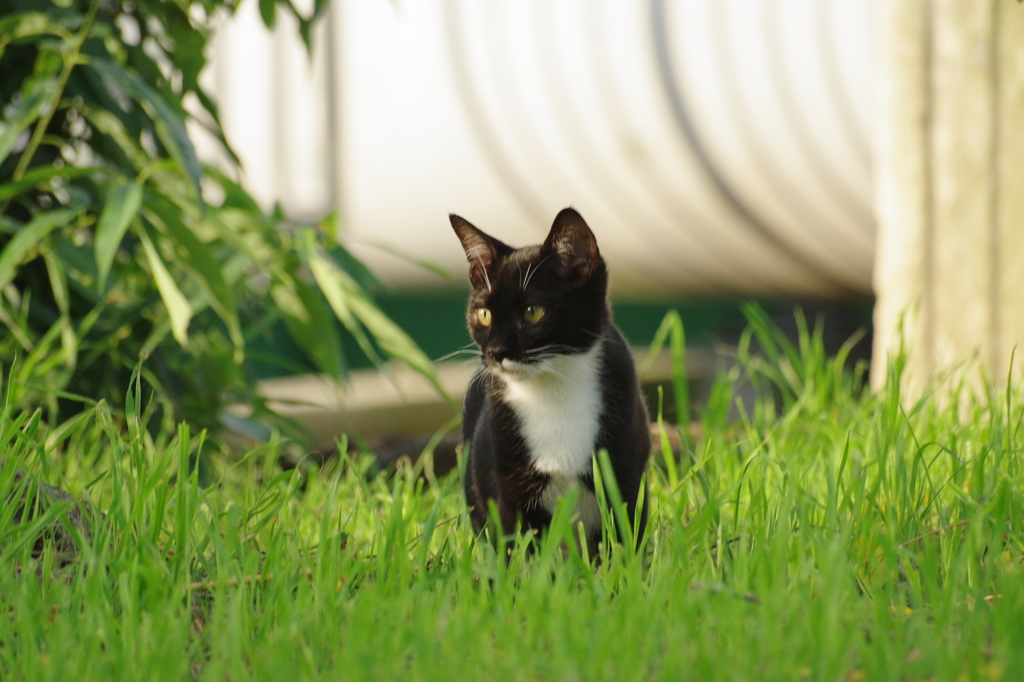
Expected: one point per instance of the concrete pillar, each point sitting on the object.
(949, 266)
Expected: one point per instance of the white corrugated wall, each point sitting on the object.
(714, 146)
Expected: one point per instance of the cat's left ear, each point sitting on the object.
(573, 242)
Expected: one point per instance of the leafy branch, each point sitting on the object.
(109, 253)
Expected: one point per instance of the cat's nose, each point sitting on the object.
(497, 353)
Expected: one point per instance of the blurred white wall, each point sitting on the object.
(276, 105)
(714, 146)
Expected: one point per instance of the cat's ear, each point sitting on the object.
(573, 242)
(481, 249)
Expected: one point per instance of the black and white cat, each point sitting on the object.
(556, 382)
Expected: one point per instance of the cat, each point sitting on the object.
(556, 382)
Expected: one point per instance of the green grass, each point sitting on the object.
(829, 535)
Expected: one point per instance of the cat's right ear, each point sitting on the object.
(574, 244)
(481, 249)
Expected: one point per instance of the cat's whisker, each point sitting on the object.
(546, 356)
(461, 351)
(483, 269)
(550, 350)
(522, 284)
(544, 359)
(560, 346)
(528, 275)
(548, 346)
(556, 372)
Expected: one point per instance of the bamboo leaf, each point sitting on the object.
(289, 303)
(39, 175)
(197, 257)
(119, 210)
(28, 236)
(18, 25)
(268, 11)
(178, 309)
(58, 281)
(170, 121)
(24, 114)
(59, 287)
(408, 257)
(320, 340)
(390, 337)
(337, 287)
(234, 195)
(354, 308)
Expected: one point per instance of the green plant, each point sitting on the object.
(847, 539)
(111, 249)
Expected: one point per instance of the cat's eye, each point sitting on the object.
(483, 316)
(533, 313)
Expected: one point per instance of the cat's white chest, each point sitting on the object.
(559, 412)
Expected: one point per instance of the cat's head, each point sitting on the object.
(532, 304)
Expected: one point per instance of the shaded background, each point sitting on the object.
(719, 150)
(828, 153)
